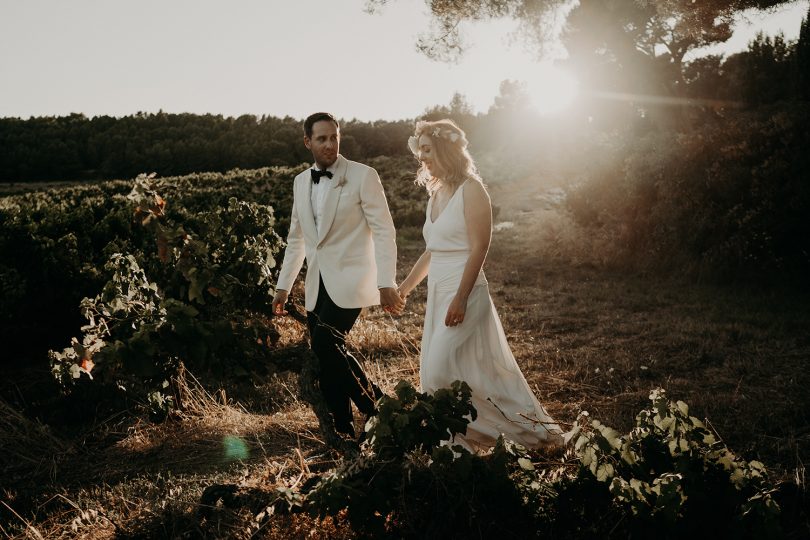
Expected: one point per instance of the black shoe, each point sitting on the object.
(377, 392)
(346, 431)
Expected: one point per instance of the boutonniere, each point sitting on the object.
(341, 182)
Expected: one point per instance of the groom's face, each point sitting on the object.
(324, 143)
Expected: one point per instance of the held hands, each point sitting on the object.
(279, 300)
(456, 312)
(391, 301)
(403, 291)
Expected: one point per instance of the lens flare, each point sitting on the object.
(551, 89)
(234, 448)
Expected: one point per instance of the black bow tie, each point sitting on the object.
(316, 175)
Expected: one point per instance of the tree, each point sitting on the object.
(638, 47)
(703, 78)
(757, 76)
(676, 24)
(767, 70)
(801, 76)
(459, 110)
(632, 49)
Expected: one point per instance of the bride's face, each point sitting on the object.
(426, 153)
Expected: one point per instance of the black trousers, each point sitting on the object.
(341, 379)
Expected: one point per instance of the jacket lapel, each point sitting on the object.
(332, 197)
(305, 215)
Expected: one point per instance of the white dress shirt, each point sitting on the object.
(318, 195)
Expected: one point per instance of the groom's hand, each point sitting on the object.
(279, 300)
(391, 301)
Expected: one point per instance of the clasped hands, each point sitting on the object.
(455, 312)
(390, 300)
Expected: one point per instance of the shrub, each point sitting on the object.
(670, 476)
(726, 202)
(200, 297)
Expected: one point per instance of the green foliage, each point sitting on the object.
(672, 473)
(417, 421)
(408, 482)
(55, 244)
(202, 298)
(669, 477)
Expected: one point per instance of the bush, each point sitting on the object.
(670, 476)
(201, 298)
(727, 202)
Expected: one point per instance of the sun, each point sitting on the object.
(551, 89)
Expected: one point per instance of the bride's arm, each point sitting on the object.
(416, 275)
(478, 217)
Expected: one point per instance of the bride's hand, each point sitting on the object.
(456, 312)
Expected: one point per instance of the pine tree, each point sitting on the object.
(801, 77)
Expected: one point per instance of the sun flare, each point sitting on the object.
(551, 89)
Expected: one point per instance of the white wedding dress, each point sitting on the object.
(476, 350)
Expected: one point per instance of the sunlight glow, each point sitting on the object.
(551, 89)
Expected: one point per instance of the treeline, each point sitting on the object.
(772, 69)
(76, 147)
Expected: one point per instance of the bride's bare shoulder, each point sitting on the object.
(475, 192)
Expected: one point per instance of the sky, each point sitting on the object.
(274, 57)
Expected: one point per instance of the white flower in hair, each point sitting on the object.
(413, 144)
(452, 136)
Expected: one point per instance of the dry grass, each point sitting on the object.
(586, 338)
(150, 481)
(590, 338)
(26, 444)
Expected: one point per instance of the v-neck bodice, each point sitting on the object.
(430, 205)
(448, 232)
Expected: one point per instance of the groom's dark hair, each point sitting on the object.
(317, 117)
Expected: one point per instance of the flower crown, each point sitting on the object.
(450, 135)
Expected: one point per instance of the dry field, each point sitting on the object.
(586, 337)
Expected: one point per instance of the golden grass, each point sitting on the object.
(592, 338)
(26, 444)
(150, 481)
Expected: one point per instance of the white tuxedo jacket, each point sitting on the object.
(355, 252)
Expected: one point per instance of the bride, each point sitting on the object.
(463, 338)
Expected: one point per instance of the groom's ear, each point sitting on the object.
(307, 142)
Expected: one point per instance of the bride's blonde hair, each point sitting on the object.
(449, 155)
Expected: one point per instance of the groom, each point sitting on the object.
(341, 224)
